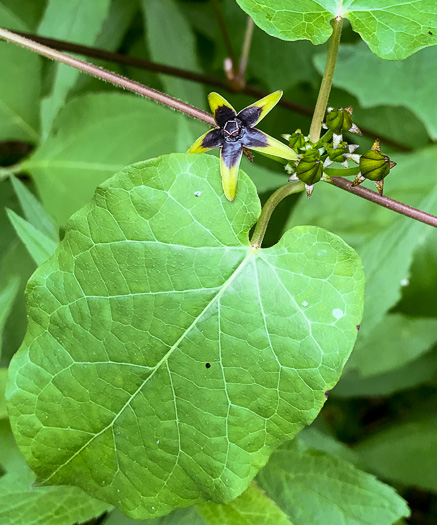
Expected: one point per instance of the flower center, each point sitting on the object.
(232, 130)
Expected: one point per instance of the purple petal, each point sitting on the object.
(213, 139)
(253, 138)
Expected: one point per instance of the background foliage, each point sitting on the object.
(64, 134)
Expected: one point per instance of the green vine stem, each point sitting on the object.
(325, 88)
(268, 208)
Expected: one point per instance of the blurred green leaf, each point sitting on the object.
(95, 136)
(21, 503)
(33, 211)
(28, 12)
(404, 454)
(317, 440)
(171, 42)
(3, 377)
(268, 56)
(387, 258)
(14, 262)
(418, 296)
(421, 371)
(7, 297)
(393, 31)
(39, 246)
(315, 488)
(394, 342)
(187, 516)
(20, 87)
(409, 83)
(253, 507)
(157, 268)
(397, 122)
(112, 33)
(78, 21)
(265, 179)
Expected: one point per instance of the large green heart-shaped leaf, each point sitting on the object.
(166, 357)
(392, 30)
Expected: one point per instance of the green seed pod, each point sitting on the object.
(296, 140)
(310, 168)
(337, 155)
(339, 120)
(374, 165)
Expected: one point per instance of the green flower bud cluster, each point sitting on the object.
(314, 159)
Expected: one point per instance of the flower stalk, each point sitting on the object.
(325, 88)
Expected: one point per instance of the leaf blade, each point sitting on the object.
(169, 216)
(309, 486)
(39, 246)
(33, 211)
(392, 31)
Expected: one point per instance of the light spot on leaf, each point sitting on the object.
(337, 313)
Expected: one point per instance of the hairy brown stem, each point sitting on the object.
(147, 65)
(386, 202)
(107, 76)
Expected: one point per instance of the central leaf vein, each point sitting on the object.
(163, 361)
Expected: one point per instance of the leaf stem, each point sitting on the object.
(108, 76)
(225, 34)
(328, 75)
(246, 48)
(193, 76)
(268, 208)
(386, 202)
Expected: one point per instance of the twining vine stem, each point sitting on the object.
(189, 110)
(328, 75)
(193, 76)
(226, 37)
